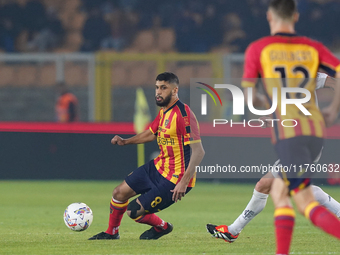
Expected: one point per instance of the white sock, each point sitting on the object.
(254, 207)
(117, 201)
(326, 200)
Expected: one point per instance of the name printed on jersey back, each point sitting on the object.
(284, 55)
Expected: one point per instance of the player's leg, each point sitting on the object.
(258, 202)
(323, 198)
(294, 151)
(326, 200)
(143, 209)
(254, 207)
(316, 213)
(308, 206)
(298, 151)
(259, 199)
(118, 206)
(137, 212)
(136, 183)
(284, 216)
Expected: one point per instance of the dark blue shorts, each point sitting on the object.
(293, 154)
(153, 187)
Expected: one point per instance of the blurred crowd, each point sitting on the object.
(41, 24)
(197, 25)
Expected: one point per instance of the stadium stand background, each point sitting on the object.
(132, 27)
(151, 25)
(50, 37)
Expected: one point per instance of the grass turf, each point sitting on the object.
(31, 222)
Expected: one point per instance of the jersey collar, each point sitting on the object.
(286, 34)
(171, 106)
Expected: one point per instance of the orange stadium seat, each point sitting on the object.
(7, 74)
(184, 74)
(128, 65)
(145, 41)
(47, 75)
(119, 75)
(152, 72)
(171, 66)
(139, 75)
(203, 71)
(26, 75)
(76, 75)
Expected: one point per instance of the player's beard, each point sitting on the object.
(165, 101)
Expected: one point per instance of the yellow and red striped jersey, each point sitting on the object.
(288, 60)
(176, 127)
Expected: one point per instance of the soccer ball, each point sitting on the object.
(78, 216)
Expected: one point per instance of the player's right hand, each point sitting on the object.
(118, 140)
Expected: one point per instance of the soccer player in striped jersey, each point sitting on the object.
(262, 188)
(285, 59)
(166, 179)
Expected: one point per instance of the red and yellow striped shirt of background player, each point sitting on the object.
(294, 58)
(176, 127)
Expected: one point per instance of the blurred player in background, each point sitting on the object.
(66, 107)
(281, 56)
(166, 179)
(263, 186)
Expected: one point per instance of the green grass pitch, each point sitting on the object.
(31, 222)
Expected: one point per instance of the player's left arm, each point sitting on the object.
(188, 127)
(330, 82)
(324, 81)
(197, 154)
(331, 65)
(144, 137)
(331, 112)
(258, 100)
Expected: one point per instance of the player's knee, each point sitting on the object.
(264, 185)
(133, 209)
(117, 194)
